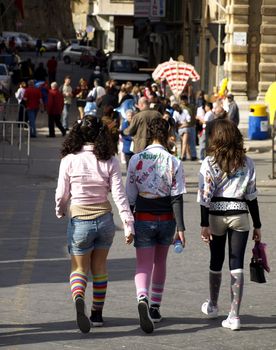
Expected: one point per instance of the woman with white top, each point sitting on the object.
(19, 95)
(204, 116)
(88, 172)
(227, 191)
(182, 119)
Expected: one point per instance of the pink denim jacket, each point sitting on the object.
(85, 180)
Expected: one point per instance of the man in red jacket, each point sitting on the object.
(54, 109)
(33, 99)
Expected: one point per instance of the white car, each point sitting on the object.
(124, 68)
(73, 53)
(5, 77)
(50, 44)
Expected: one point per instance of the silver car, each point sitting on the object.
(73, 53)
(124, 68)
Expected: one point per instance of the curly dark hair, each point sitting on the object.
(225, 144)
(89, 130)
(158, 129)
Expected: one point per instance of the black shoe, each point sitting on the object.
(96, 318)
(64, 133)
(82, 320)
(146, 322)
(194, 158)
(183, 159)
(155, 313)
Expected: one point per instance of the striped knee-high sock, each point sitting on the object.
(156, 293)
(99, 291)
(78, 282)
(237, 282)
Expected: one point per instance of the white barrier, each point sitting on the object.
(14, 142)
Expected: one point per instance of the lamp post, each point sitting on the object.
(220, 8)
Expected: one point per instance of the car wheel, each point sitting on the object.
(66, 59)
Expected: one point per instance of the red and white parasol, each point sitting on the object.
(176, 73)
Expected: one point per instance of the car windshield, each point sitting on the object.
(127, 66)
(3, 71)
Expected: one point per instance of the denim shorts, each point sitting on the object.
(85, 235)
(150, 233)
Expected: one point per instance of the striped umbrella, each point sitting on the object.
(176, 73)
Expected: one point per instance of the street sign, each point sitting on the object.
(240, 38)
(214, 29)
(214, 56)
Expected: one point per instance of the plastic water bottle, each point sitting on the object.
(178, 247)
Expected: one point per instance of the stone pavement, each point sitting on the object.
(35, 305)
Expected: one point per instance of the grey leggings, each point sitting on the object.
(236, 243)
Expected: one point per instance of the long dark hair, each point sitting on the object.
(158, 130)
(225, 144)
(89, 130)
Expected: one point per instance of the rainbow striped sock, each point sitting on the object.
(156, 293)
(78, 282)
(99, 291)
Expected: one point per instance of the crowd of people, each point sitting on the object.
(147, 125)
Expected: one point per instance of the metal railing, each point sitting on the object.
(14, 142)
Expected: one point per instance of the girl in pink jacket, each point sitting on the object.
(88, 171)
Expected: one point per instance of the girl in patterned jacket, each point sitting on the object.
(227, 191)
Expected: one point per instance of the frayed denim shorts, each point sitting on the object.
(83, 236)
(151, 233)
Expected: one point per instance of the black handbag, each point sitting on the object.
(257, 271)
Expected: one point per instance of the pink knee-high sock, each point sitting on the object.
(159, 273)
(144, 264)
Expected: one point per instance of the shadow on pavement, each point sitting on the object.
(66, 330)
(57, 271)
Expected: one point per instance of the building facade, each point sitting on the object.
(248, 44)
(108, 22)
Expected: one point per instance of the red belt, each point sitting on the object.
(150, 217)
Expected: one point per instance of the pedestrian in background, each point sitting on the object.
(88, 172)
(139, 124)
(19, 95)
(81, 93)
(59, 49)
(33, 99)
(204, 119)
(38, 46)
(67, 93)
(54, 108)
(227, 190)
(127, 148)
(155, 185)
(233, 110)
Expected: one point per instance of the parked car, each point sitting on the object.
(27, 40)
(87, 59)
(73, 53)
(50, 44)
(124, 68)
(23, 41)
(5, 77)
(18, 42)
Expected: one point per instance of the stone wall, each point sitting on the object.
(42, 18)
(267, 65)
